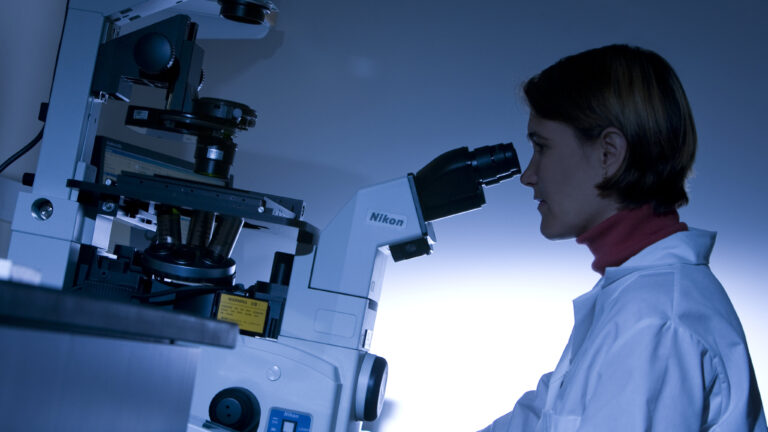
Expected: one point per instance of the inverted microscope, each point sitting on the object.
(291, 354)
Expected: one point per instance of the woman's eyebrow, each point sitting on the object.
(534, 136)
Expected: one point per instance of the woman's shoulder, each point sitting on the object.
(688, 297)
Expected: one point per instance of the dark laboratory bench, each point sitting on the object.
(48, 309)
(74, 363)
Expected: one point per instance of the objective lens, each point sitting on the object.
(225, 235)
(168, 225)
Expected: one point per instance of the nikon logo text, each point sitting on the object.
(381, 218)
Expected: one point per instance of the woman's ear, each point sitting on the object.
(613, 145)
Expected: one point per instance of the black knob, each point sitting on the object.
(371, 385)
(244, 11)
(153, 53)
(28, 179)
(236, 408)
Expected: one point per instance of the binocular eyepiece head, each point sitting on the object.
(453, 182)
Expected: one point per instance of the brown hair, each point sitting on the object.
(636, 91)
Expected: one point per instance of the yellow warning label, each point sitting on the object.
(249, 314)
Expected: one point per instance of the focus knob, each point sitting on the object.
(153, 53)
(371, 385)
(236, 408)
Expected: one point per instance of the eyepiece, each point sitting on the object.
(453, 182)
(496, 163)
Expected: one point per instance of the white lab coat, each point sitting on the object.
(656, 346)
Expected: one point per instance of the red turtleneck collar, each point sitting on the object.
(626, 233)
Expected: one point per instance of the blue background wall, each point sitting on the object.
(355, 92)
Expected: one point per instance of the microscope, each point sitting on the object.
(299, 357)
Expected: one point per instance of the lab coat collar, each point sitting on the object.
(686, 247)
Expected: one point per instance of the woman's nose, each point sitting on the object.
(529, 177)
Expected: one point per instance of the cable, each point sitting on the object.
(22, 151)
(39, 136)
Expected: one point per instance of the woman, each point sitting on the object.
(656, 345)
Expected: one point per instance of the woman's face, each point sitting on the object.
(563, 173)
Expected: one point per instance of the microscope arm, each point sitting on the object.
(351, 252)
(395, 215)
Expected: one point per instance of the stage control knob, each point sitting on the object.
(371, 385)
(154, 53)
(236, 408)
